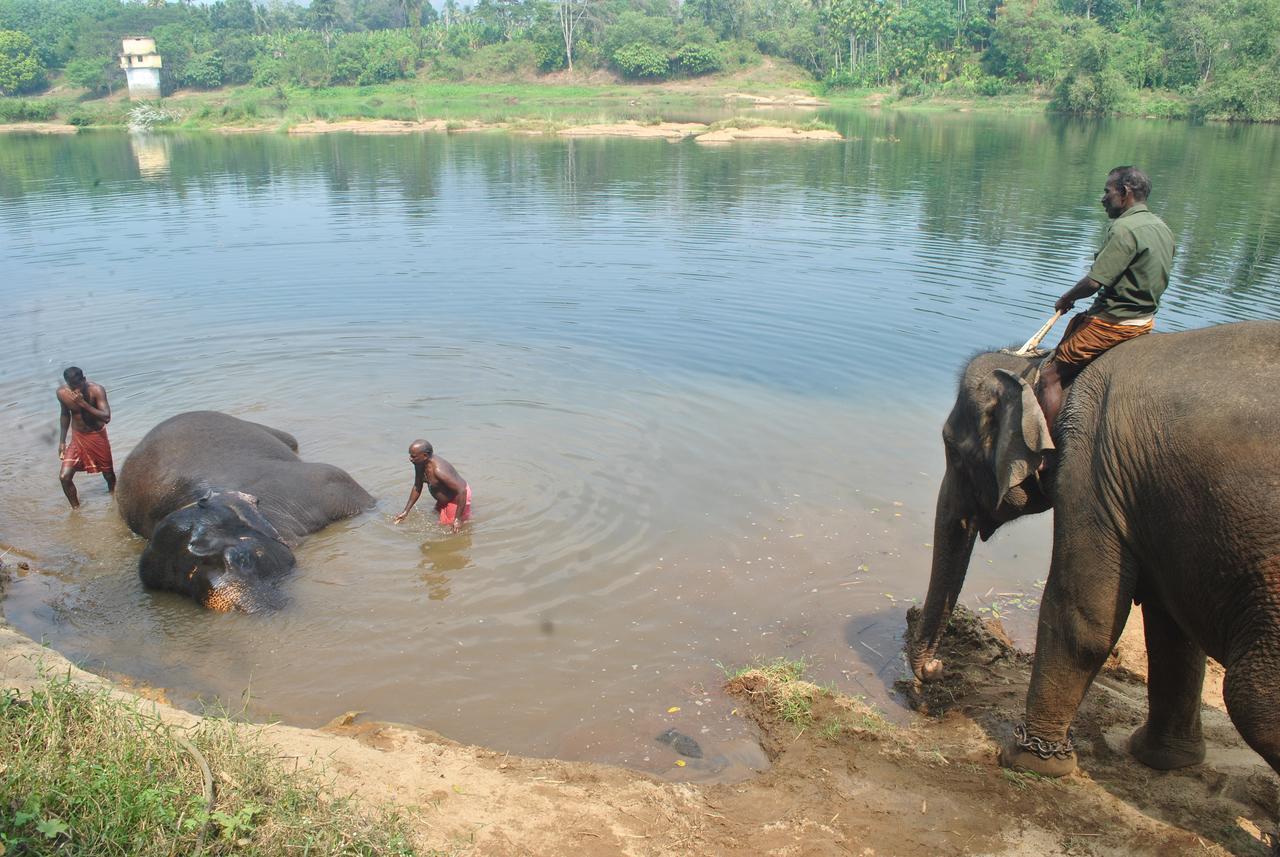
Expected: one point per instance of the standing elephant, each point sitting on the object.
(223, 501)
(1166, 493)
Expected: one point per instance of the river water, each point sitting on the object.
(697, 392)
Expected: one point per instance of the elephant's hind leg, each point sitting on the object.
(1252, 694)
(1172, 736)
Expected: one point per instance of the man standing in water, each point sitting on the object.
(451, 491)
(86, 412)
(1129, 273)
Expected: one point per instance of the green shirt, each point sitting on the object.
(1133, 264)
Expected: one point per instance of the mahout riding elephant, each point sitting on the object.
(223, 502)
(1166, 492)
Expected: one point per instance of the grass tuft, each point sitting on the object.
(778, 669)
(744, 123)
(780, 681)
(83, 772)
(778, 687)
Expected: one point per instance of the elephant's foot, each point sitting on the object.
(1012, 756)
(1165, 754)
(1046, 758)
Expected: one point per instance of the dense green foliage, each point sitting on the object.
(20, 68)
(1217, 57)
(641, 59)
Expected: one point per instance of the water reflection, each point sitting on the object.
(441, 558)
(950, 178)
(151, 153)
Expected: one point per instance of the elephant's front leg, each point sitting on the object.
(1171, 737)
(1086, 602)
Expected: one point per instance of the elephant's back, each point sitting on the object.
(1193, 408)
(188, 454)
(1227, 369)
(303, 497)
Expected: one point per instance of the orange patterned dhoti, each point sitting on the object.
(89, 451)
(1088, 336)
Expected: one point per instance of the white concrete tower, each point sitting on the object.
(141, 66)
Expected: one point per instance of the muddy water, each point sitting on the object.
(697, 394)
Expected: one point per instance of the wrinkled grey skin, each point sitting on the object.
(222, 502)
(1167, 493)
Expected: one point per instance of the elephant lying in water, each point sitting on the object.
(223, 501)
(1166, 493)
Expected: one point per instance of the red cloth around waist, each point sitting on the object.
(89, 451)
(449, 511)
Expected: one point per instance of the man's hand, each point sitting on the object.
(455, 526)
(1082, 289)
(398, 518)
(62, 449)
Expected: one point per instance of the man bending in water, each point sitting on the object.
(86, 412)
(452, 493)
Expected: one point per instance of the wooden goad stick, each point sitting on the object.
(1025, 350)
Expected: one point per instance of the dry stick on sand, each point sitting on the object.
(208, 785)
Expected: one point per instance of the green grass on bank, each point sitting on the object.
(415, 102)
(745, 123)
(85, 773)
(522, 106)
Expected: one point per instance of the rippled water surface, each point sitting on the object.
(697, 392)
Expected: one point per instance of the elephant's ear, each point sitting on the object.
(1022, 435)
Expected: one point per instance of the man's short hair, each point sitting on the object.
(72, 375)
(423, 446)
(1134, 179)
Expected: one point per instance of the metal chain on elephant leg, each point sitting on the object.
(1041, 748)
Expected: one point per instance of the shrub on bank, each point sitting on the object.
(634, 27)
(1241, 94)
(98, 74)
(203, 71)
(697, 59)
(504, 59)
(19, 110)
(641, 60)
(1093, 84)
(1089, 93)
(86, 773)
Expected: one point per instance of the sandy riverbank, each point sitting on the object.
(37, 128)
(672, 131)
(842, 782)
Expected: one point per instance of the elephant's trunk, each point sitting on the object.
(244, 596)
(954, 529)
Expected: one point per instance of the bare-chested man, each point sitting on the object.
(86, 412)
(450, 490)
